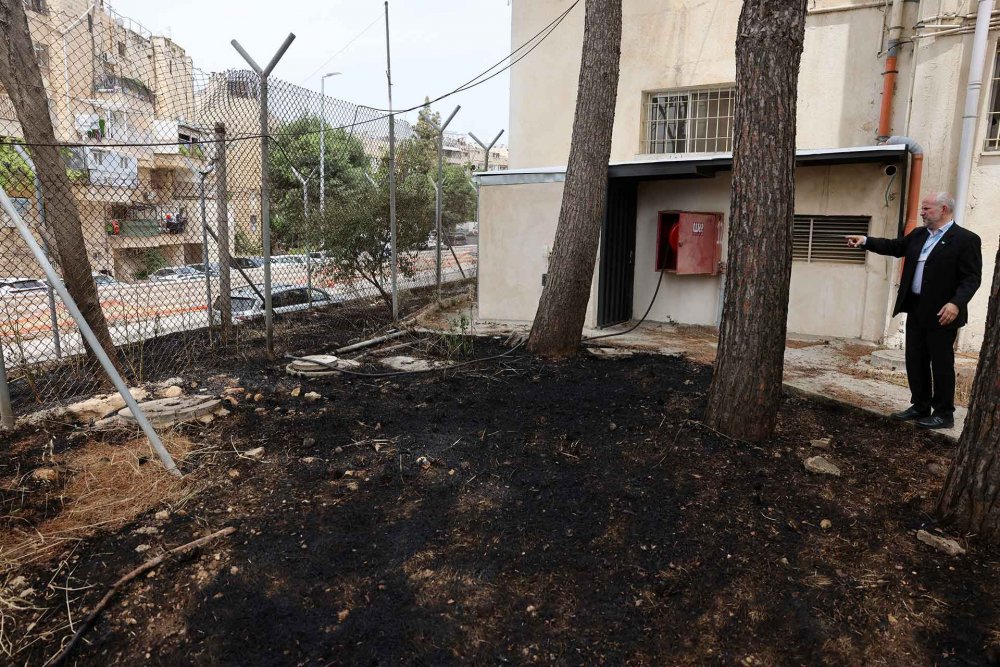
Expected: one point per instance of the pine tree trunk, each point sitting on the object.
(563, 305)
(970, 499)
(745, 393)
(22, 79)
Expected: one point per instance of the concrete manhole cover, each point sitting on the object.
(168, 411)
(894, 360)
(305, 368)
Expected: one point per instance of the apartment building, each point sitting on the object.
(671, 160)
(119, 90)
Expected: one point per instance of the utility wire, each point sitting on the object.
(345, 47)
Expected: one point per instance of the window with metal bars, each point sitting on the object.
(820, 238)
(993, 115)
(689, 121)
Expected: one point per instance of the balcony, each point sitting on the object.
(149, 234)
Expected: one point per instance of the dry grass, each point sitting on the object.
(101, 486)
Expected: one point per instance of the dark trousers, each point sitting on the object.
(930, 366)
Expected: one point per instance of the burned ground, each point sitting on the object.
(525, 511)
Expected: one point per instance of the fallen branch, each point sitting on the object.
(145, 567)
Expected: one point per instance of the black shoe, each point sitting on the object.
(935, 422)
(912, 412)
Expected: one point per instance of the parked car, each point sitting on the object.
(174, 274)
(103, 280)
(246, 262)
(246, 303)
(22, 285)
(213, 268)
(277, 260)
(458, 238)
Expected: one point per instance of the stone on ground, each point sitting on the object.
(820, 466)
(942, 544)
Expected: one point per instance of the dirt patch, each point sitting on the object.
(520, 511)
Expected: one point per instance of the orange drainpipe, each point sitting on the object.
(913, 193)
(888, 92)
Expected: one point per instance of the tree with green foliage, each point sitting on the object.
(345, 167)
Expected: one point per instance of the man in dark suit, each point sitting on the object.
(942, 269)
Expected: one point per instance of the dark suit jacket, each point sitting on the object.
(952, 272)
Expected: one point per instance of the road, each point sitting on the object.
(144, 310)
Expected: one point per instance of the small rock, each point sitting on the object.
(313, 396)
(342, 616)
(172, 391)
(308, 442)
(45, 475)
(232, 391)
(531, 609)
(162, 515)
(147, 530)
(260, 411)
(141, 548)
(338, 450)
(943, 544)
(826, 524)
(352, 486)
(423, 462)
(234, 570)
(937, 469)
(308, 459)
(820, 466)
(233, 472)
(221, 412)
(258, 398)
(206, 419)
(257, 453)
(296, 392)
(822, 443)
(612, 426)
(777, 455)
(784, 561)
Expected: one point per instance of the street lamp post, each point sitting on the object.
(322, 140)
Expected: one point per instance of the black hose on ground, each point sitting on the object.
(641, 320)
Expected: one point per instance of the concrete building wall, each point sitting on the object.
(688, 43)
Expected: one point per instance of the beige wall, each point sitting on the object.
(518, 223)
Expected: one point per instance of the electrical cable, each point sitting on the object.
(334, 367)
(378, 18)
(641, 320)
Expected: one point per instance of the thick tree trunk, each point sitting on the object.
(563, 305)
(745, 394)
(22, 79)
(970, 499)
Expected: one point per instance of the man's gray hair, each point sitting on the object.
(945, 199)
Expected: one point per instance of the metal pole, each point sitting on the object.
(265, 203)
(204, 255)
(88, 333)
(392, 171)
(440, 197)
(222, 240)
(39, 203)
(6, 412)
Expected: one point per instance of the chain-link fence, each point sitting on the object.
(145, 192)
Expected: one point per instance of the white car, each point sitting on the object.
(22, 285)
(103, 279)
(295, 260)
(247, 304)
(175, 274)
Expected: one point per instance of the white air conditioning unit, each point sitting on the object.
(108, 59)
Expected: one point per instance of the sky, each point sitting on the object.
(437, 45)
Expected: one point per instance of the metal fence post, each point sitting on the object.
(204, 253)
(440, 197)
(88, 333)
(392, 175)
(222, 218)
(6, 412)
(265, 202)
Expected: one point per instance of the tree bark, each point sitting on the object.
(745, 394)
(22, 79)
(970, 499)
(563, 304)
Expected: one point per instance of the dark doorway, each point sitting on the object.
(617, 262)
